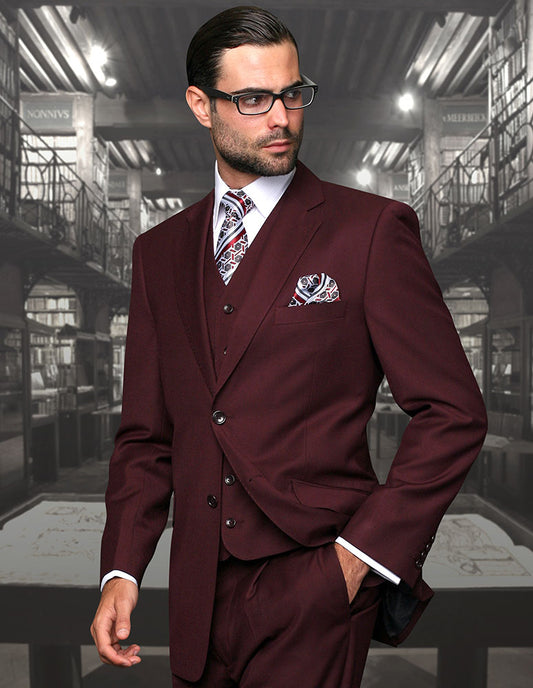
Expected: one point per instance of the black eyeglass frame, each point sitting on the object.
(215, 93)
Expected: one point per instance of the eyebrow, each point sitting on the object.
(252, 89)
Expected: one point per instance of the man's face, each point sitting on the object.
(250, 146)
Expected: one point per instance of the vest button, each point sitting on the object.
(219, 417)
(228, 309)
(230, 523)
(212, 501)
(229, 479)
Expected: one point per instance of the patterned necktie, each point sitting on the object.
(232, 240)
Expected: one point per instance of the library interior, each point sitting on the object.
(427, 102)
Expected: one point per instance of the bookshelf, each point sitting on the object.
(9, 132)
(44, 449)
(509, 97)
(81, 364)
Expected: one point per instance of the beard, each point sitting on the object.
(250, 157)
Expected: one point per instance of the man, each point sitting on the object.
(261, 322)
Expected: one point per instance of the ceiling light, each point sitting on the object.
(111, 82)
(364, 177)
(75, 13)
(98, 56)
(406, 102)
(158, 171)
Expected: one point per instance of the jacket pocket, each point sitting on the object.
(313, 312)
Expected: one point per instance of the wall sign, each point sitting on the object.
(463, 119)
(48, 113)
(118, 184)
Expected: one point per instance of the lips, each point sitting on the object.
(279, 145)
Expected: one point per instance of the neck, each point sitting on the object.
(233, 178)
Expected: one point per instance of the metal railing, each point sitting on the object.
(56, 202)
(488, 180)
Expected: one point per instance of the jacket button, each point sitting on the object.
(229, 479)
(212, 501)
(419, 563)
(219, 417)
(228, 309)
(231, 523)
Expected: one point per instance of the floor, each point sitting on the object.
(386, 668)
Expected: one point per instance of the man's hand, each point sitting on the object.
(111, 623)
(353, 568)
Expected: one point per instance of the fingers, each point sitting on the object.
(112, 624)
(122, 623)
(118, 656)
(109, 648)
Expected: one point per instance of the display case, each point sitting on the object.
(44, 450)
(12, 454)
(119, 327)
(85, 385)
(505, 370)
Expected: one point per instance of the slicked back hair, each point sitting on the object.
(243, 25)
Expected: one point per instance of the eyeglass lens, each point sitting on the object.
(258, 103)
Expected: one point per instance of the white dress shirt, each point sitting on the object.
(265, 192)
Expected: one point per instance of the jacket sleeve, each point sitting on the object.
(419, 350)
(140, 485)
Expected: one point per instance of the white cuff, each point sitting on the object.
(374, 565)
(117, 574)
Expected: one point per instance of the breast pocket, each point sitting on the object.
(314, 312)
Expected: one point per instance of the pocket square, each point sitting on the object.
(317, 288)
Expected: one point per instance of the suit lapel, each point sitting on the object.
(189, 252)
(284, 237)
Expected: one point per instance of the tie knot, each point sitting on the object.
(236, 203)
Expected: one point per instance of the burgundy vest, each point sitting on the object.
(246, 532)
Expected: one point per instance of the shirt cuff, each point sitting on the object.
(374, 565)
(117, 574)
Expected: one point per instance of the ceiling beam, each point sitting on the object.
(177, 184)
(373, 118)
(192, 186)
(478, 7)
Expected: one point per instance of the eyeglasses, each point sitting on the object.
(259, 102)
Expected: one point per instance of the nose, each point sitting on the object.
(278, 116)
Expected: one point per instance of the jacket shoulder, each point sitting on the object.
(370, 203)
(165, 231)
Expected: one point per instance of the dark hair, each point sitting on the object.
(229, 29)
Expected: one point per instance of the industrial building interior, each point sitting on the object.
(429, 102)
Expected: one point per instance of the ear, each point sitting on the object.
(200, 104)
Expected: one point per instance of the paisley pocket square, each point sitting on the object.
(317, 288)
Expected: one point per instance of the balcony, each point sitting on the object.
(482, 203)
(53, 221)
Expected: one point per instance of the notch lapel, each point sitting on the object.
(286, 234)
(189, 251)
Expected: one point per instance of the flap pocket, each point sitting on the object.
(344, 500)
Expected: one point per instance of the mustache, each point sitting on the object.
(281, 135)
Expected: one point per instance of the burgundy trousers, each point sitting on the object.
(286, 621)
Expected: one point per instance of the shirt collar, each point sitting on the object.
(265, 192)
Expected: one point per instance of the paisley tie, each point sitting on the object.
(232, 240)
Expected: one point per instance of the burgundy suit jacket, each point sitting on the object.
(297, 389)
